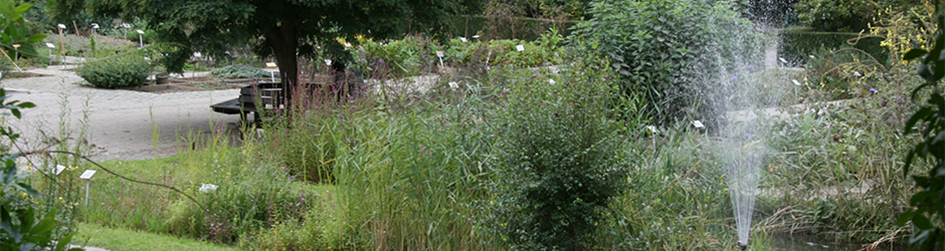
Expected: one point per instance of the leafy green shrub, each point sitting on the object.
(239, 71)
(15, 31)
(796, 45)
(665, 51)
(845, 15)
(124, 70)
(836, 15)
(247, 199)
(504, 52)
(558, 162)
(465, 25)
(406, 57)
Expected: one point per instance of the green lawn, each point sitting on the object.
(124, 239)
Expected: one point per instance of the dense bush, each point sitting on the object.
(468, 26)
(417, 55)
(405, 57)
(573, 9)
(239, 71)
(845, 15)
(796, 45)
(558, 163)
(666, 52)
(123, 70)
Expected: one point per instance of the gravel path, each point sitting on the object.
(122, 124)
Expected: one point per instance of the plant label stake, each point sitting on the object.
(16, 53)
(140, 37)
(272, 73)
(59, 169)
(126, 26)
(196, 63)
(51, 47)
(62, 26)
(462, 39)
(520, 47)
(439, 54)
(87, 176)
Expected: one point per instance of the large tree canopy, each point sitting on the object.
(281, 28)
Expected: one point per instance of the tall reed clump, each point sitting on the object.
(678, 199)
(405, 172)
(558, 159)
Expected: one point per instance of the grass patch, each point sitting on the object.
(124, 239)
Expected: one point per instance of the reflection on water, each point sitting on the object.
(788, 243)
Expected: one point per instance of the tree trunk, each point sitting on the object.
(284, 42)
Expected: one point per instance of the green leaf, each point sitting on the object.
(919, 197)
(905, 217)
(914, 53)
(23, 8)
(63, 242)
(909, 159)
(922, 222)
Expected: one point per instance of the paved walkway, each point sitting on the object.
(122, 124)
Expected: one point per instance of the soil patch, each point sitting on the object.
(194, 84)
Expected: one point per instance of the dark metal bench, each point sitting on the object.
(270, 97)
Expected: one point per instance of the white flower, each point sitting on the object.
(697, 124)
(652, 129)
(206, 188)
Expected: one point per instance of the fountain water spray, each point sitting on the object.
(743, 170)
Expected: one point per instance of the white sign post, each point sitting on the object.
(439, 54)
(140, 37)
(87, 176)
(51, 47)
(272, 73)
(520, 47)
(16, 53)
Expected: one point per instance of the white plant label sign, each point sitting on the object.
(271, 64)
(59, 169)
(62, 26)
(698, 124)
(439, 54)
(50, 45)
(520, 47)
(87, 174)
(462, 39)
